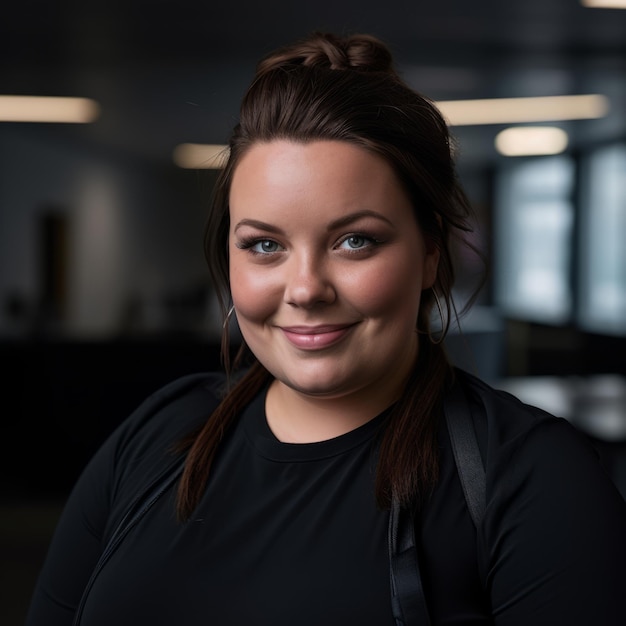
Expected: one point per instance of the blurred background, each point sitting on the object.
(104, 292)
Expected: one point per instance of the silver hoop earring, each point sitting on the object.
(228, 316)
(442, 336)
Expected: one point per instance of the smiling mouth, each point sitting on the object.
(316, 337)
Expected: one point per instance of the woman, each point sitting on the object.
(267, 500)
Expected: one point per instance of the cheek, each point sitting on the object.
(253, 293)
(392, 288)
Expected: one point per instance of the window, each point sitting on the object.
(534, 227)
(602, 280)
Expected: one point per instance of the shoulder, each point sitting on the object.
(498, 400)
(140, 449)
(552, 514)
(531, 455)
(145, 442)
(180, 395)
(167, 415)
(503, 421)
(526, 448)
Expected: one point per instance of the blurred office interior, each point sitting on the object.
(104, 293)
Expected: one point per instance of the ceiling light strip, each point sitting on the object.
(520, 110)
(531, 141)
(49, 109)
(200, 156)
(604, 4)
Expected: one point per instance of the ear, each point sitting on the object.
(431, 263)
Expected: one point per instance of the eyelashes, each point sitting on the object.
(259, 245)
(354, 242)
(351, 243)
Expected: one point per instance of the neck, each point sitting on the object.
(296, 417)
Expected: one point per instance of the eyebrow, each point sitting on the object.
(344, 220)
(353, 217)
(260, 225)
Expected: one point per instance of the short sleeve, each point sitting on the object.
(554, 533)
(133, 455)
(75, 546)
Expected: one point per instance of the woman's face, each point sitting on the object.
(327, 266)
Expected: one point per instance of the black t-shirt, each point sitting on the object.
(290, 533)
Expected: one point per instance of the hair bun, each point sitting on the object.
(359, 52)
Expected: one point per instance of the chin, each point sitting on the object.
(318, 386)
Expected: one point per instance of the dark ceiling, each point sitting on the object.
(167, 71)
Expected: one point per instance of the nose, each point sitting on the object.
(309, 282)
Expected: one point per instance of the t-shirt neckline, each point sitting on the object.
(267, 445)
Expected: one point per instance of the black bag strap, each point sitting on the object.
(407, 592)
(466, 452)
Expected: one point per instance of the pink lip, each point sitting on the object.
(316, 337)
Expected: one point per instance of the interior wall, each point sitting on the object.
(134, 235)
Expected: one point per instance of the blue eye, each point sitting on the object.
(265, 246)
(260, 247)
(355, 242)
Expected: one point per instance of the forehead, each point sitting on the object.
(286, 151)
(321, 171)
(310, 189)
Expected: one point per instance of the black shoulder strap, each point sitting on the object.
(466, 452)
(407, 593)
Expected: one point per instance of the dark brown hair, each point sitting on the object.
(327, 87)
